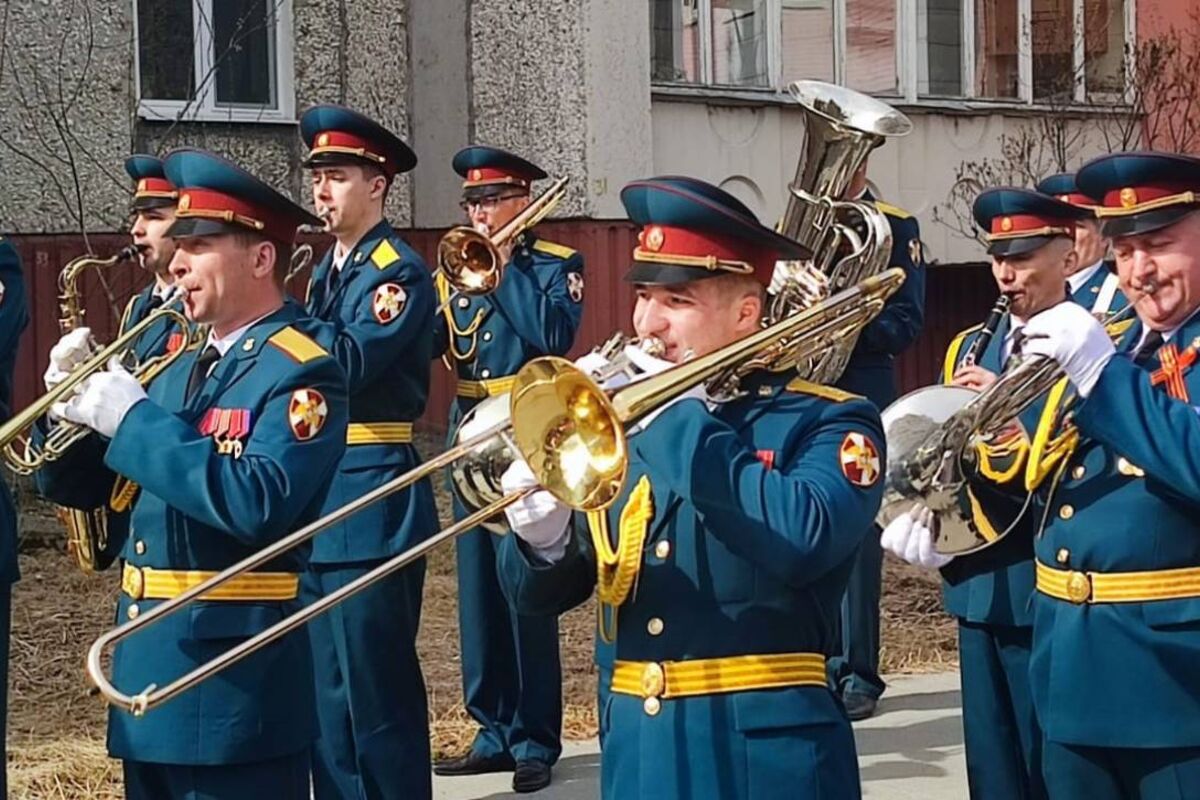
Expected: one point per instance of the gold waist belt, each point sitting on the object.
(1118, 587)
(704, 676)
(147, 583)
(486, 388)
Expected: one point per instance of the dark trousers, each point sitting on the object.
(5, 623)
(371, 706)
(855, 667)
(1002, 737)
(512, 678)
(1112, 773)
(284, 778)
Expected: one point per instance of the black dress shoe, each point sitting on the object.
(473, 764)
(531, 774)
(859, 706)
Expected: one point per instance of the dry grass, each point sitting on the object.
(56, 730)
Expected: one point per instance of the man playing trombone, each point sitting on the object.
(234, 446)
(1029, 238)
(1116, 636)
(101, 529)
(738, 524)
(377, 294)
(512, 680)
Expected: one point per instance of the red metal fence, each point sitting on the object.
(956, 297)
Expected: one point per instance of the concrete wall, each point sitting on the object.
(752, 151)
(347, 51)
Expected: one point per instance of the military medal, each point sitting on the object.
(228, 427)
(1174, 365)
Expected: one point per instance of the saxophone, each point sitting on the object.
(87, 529)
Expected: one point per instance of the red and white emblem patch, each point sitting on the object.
(306, 413)
(859, 459)
(388, 302)
(575, 286)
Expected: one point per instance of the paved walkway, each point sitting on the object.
(911, 749)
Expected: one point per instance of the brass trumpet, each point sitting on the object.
(471, 261)
(16, 446)
(568, 429)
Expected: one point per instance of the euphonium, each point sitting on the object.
(568, 429)
(87, 529)
(850, 239)
(934, 436)
(471, 261)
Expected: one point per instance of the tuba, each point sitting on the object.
(851, 240)
(87, 529)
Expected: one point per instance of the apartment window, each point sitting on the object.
(228, 60)
(1020, 51)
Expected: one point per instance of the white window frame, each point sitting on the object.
(204, 108)
(907, 55)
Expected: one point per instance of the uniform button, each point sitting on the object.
(463, 302)
(1066, 512)
(662, 549)
(487, 336)
(1079, 472)
(133, 611)
(139, 547)
(485, 373)
(652, 706)
(655, 626)
(1063, 555)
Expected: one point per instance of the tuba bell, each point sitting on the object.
(850, 240)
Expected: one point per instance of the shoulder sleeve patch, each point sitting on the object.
(891, 210)
(384, 255)
(552, 248)
(801, 386)
(299, 347)
(953, 350)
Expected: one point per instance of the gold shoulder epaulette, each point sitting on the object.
(297, 345)
(892, 210)
(1117, 329)
(384, 255)
(553, 248)
(801, 386)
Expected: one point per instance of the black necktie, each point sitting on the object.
(154, 302)
(200, 370)
(1148, 348)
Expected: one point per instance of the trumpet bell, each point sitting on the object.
(470, 262)
(944, 474)
(569, 432)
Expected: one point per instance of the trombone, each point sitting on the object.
(16, 445)
(568, 429)
(471, 261)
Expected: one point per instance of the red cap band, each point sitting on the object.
(209, 204)
(155, 187)
(352, 145)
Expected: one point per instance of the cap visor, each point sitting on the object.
(1145, 222)
(667, 274)
(141, 203)
(192, 226)
(317, 160)
(1018, 246)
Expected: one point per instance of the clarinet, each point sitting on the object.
(988, 331)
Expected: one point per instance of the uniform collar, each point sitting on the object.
(1080, 279)
(1167, 334)
(364, 247)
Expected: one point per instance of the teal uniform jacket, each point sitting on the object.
(66, 488)
(382, 310)
(1095, 286)
(215, 489)
(755, 522)
(1123, 674)
(871, 369)
(14, 317)
(994, 585)
(535, 311)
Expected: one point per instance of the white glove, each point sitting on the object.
(1070, 335)
(69, 352)
(910, 536)
(539, 519)
(103, 400)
